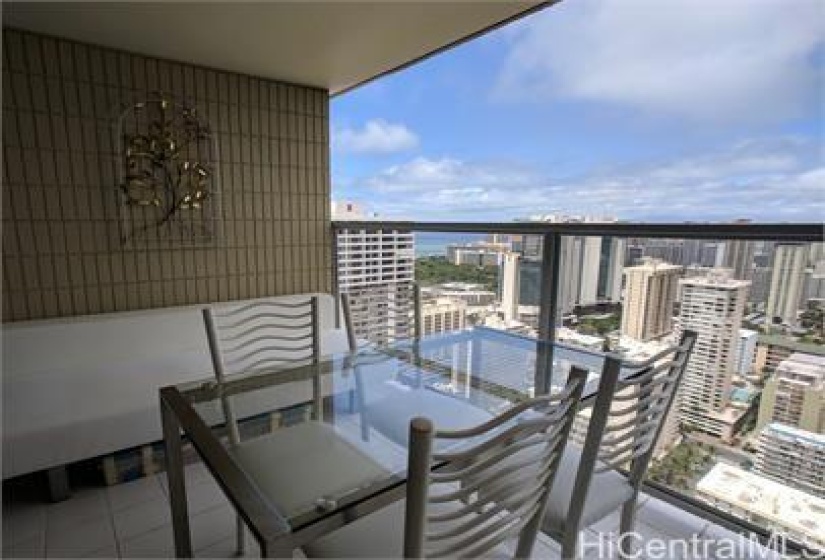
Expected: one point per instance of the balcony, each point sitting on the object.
(104, 276)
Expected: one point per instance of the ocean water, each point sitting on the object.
(435, 243)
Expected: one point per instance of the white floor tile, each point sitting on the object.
(128, 494)
(212, 526)
(23, 522)
(84, 506)
(141, 518)
(203, 496)
(670, 519)
(226, 549)
(75, 540)
(159, 543)
(31, 547)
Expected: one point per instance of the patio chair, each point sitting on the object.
(268, 335)
(444, 516)
(626, 421)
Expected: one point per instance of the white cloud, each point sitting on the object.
(765, 180)
(446, 174)
(376, 137)
(703, 60)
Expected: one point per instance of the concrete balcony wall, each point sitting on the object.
(62, 249)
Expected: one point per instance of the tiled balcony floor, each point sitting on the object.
(132, 520)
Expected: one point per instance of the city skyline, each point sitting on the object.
(535, 117)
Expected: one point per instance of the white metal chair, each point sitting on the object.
(268, 335)
(626, 421)
(443, 514)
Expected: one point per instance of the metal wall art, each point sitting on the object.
(168, 178)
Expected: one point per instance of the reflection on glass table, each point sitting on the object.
(323, 444)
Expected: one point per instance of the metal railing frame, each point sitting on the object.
(549, 316)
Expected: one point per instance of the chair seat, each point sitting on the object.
(297, 465)
(608, 491)
(378, 535)
(391, 414)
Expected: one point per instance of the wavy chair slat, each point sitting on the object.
(507, 415)
(267, 316)
(643, 389)
(644, 402)
(509, 434)
(471, 507)
(473, 520)
(244, 354)
(229, 311)
(287, 344)
(473, 546)
(617, 457)
(640, 418)
(477, 483)
(271, 332)
(460, 472)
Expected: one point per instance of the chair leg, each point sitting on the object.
(570, 545)
(626, 526)
(240, 536)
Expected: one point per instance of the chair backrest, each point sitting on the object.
(260, 336)
(628, 416)
(383, 315)
(513, 458)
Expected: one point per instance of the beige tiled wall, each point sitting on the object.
(62, 253)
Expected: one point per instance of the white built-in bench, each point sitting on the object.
(88, 386)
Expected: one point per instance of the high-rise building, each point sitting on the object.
(746, 353)
(611, 265)
(529, 281)
(713, 255)
(713, 307)
(376, 268)
(787, 282)
(815, 282)
(590, 266)
(795, 394)
(760, 284)
(650, 292)
(510, 286)
(442, 315)
(739, 258)
(792, 456)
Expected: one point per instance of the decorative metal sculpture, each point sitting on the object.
(168, 188)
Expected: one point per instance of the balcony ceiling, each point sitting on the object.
(331, 45)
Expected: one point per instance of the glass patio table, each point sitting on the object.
(324, 443)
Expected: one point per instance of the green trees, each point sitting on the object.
(437, 270)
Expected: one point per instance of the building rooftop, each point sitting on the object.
(804, 436)
(791, 344)
(785, 506)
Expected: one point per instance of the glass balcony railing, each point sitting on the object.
(744, 444)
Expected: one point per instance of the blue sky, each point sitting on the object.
(642, 110)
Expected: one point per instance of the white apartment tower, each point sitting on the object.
(792, 456)
(795, 394)
(650, 292)
(510, 286)
(376, 269)
(443, 315)
(746, 354)
(787, 281)
(739, 258)
(713, 307)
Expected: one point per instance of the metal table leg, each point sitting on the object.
(177, 486)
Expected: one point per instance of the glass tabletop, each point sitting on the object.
(317, 437)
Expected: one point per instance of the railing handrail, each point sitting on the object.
(788, 232)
